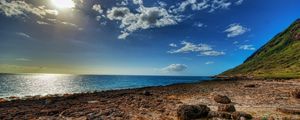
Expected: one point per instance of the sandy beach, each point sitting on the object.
(259, 98)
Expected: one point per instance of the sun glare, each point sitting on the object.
(63, 3)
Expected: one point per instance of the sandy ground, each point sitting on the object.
(260, 101)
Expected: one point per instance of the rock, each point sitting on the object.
(2, 100)
(288, 110)
(93, 101)
(93, 116)
(222, 99)
(13, 98)
(223, 115)
(48, 101)
(188, 112)
(240, 115)
(147, 93)
(296, 93)
(250, 85)
(226, 108)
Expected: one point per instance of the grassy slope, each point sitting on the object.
(279, 58)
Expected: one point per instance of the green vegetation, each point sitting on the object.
(279, 58)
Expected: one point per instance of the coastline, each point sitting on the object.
(263, 99)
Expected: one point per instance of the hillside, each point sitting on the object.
(279, 58)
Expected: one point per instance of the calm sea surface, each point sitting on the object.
(43, 84)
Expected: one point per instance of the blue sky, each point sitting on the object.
(153, 37)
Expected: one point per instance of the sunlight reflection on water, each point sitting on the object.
(43, 84)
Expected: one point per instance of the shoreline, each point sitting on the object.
(160, 102)
(13, 97)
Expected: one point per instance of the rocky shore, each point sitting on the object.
(219, 99)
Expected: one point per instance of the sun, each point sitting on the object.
(63, 3)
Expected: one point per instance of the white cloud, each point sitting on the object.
(123, 3)
(21, 8)
(69, 24)
(209, 62)
(197, 5)
(97, 7)
(193, 4)
(212, 53)
(174, 68)
(184, 4)
(138, 2)
(98, 18)
(235, 42)
(162, 4)
(118, 13)
(239, 2)
(247, 47)
(235, 29)
(42, 22)
(145, 18)
(23, 34)
(191, 47)
(198, 24)
(131, 20)
(219, 4)
(202, 49)
(23, 59)
(123, 35)
(172, 45)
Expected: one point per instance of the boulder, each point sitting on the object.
(222, 99)
(222, 115)
(240, 115)
(226, 108)
(296, 93)
(188, 112)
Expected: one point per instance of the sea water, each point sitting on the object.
(44, 84)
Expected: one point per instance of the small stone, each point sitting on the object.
(222, 99)
(226, 108)
(188, 112)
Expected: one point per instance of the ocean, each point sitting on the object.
(44, 84)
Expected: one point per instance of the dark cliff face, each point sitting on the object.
(280, 57)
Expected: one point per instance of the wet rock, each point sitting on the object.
(188, 112)
(226, 108)
(240, 115)
(296, 93)
(147, 93)
(223, 115)
(222, 99)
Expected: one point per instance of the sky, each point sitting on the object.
(137, 37)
